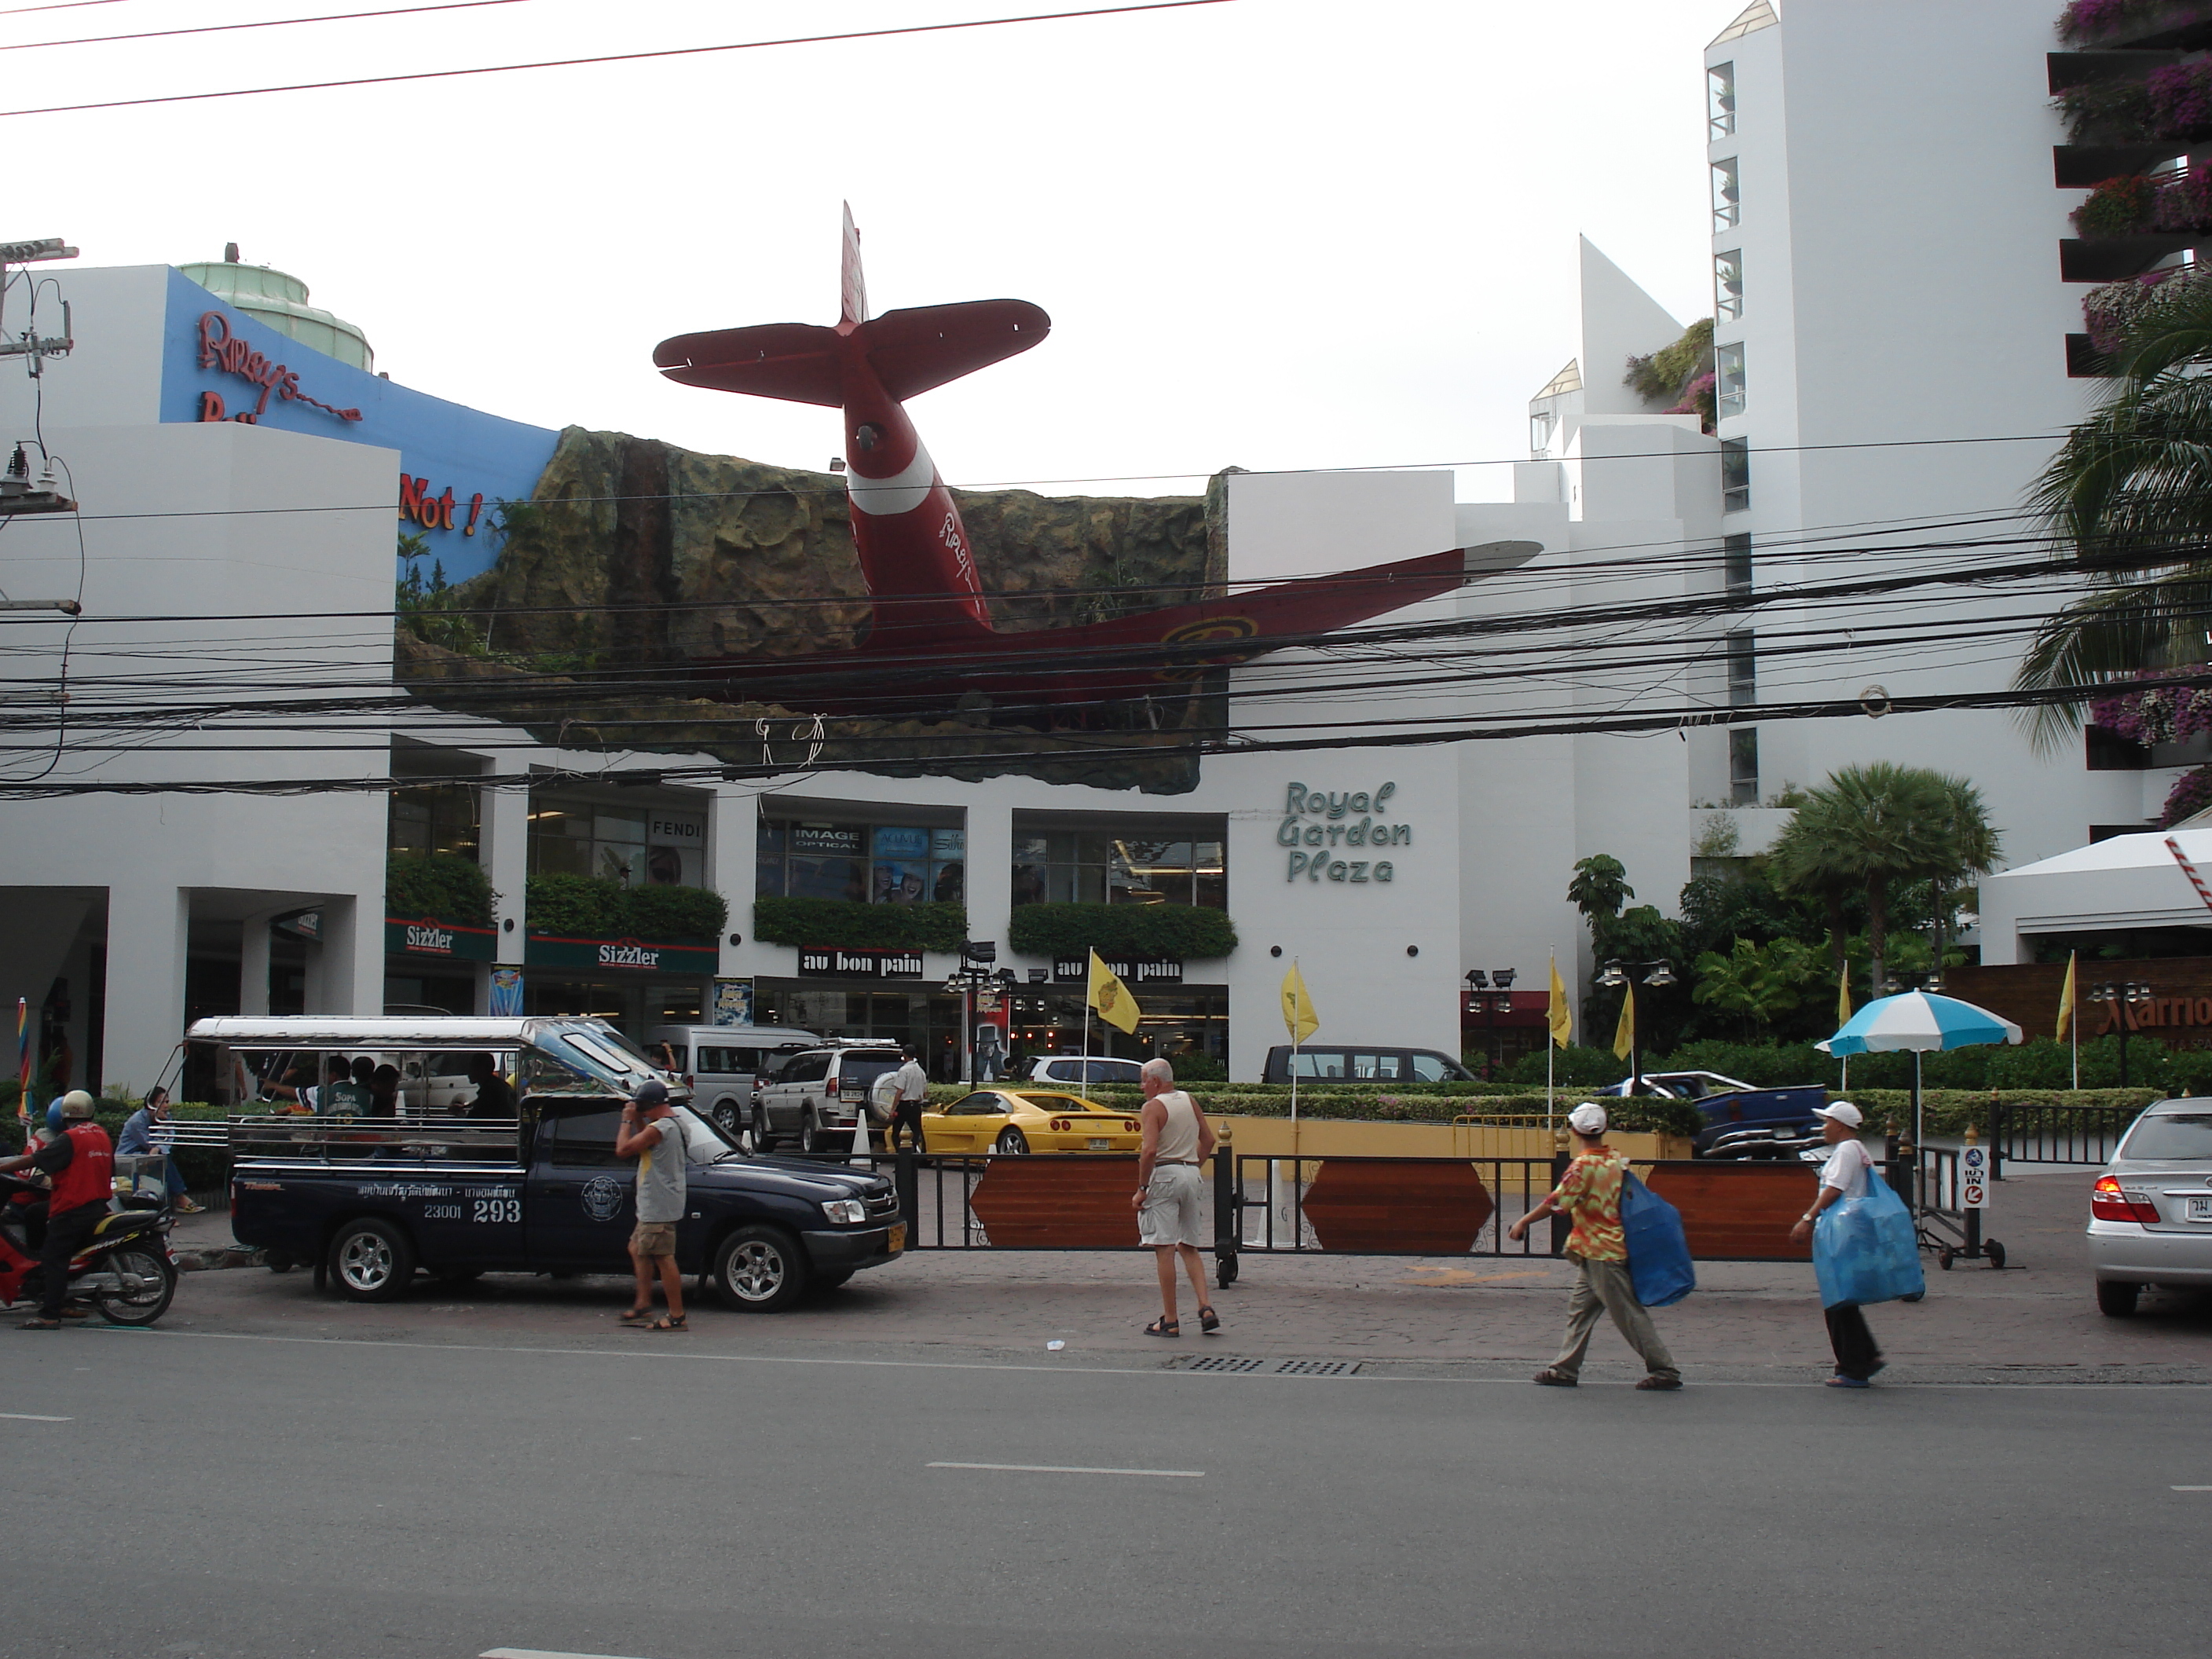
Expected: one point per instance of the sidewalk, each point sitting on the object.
(2036, 1321)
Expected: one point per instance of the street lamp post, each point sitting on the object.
(1654, 974)
(2131, 995)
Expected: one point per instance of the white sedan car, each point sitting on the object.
(2151, 1209)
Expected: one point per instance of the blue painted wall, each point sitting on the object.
(447, 446)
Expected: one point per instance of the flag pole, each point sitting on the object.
(1550, 1051)
(2073, 1017)
(1295, 1042)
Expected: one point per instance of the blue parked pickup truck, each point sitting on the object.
(526, 1181)
(1740, 1122)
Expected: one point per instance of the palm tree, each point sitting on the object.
(2130, 499)
(1872, 829)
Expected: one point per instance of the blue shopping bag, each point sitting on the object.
(1658, 1252)
(1867, 1250)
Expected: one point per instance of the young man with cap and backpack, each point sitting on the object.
(1845, 1175)
(1589, 1194)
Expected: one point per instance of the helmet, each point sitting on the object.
(54, 1115)
(76, 1104)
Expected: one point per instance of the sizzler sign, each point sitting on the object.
(628, 953)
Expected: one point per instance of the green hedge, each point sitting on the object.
(1184, 931)
(1949, 1111)
(446, 885)
(591, 907)
(842, 925)
(1677, 1117)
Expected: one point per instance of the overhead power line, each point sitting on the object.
(266, 23)
(621, 57)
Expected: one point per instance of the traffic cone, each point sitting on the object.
(860, 1137)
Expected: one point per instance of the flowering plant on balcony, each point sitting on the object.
(2118, 207)
(2180, 99)
(2185, 204)
(2107, 112)
(2190, 794)
(2113, 310)
(2166, 714)
(1698, 399)
(2097, 19)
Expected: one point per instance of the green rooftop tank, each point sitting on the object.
(280, 302)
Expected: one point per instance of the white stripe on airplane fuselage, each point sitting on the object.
(905, 490)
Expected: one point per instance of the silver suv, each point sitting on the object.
(816, 1094)
(2151, 1209)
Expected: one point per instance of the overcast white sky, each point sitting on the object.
(1272, 233)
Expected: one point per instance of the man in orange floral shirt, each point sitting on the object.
(1589, 1192)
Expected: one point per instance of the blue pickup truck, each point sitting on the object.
(1740, 1122)
(525, 1181)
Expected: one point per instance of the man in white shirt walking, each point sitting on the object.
(1178, 1139)
(1845, 1175)
(913, 1096)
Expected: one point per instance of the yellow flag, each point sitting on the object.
(1844, 998)
(1110, 997)
(1559, 1015)
(1298, 1017)
(1624, 1035)
(2066, 1001)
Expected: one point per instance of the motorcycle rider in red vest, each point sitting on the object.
(80, 1161)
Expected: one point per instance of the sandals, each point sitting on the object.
(637, 1317)
(39, 1324)
(1164, 1327)
(1552, 1377)
(673, 1324)
(1208, 1320)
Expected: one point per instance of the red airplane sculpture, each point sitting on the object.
(931, 641)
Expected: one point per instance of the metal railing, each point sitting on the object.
(2056, 1134)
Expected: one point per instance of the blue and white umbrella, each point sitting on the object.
(1918, 1021)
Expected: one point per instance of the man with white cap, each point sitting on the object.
(1589, 1192)
(1845, 1175)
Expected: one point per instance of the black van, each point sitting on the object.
(1363, 1063)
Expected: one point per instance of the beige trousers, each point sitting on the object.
(1606, 1284)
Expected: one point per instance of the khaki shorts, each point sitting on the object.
(653, 1238)
(1170, 1213)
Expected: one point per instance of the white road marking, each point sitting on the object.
(633, 1352)
(539, 1653)
(1062, 1469)
(2193, 1489)
(33, 1417)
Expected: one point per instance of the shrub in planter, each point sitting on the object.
(574, 907)
(1666, 374)
(589, 906)
(446, 885)
(840, 924)
(1135, 930)
(2084, 21)
(2118, 207)
(2165, 713)
(665, 913)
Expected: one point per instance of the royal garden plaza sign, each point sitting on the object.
(1318, 824)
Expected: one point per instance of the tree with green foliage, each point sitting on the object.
(2128, 500)
(1875, 828)
(1760, 983)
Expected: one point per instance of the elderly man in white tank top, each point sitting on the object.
(1177, 1138)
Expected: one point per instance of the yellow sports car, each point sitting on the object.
(1016, 1120)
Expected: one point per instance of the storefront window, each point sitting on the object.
(880, 864)
(442, 818)
(1084, 866)
(635, 846)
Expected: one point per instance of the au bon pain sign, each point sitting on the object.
(1335, 836)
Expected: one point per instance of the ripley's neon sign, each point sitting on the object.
(223, 350)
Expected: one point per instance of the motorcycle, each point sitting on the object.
(123, 1268)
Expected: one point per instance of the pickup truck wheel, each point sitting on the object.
(763, 1138)
(760, 1270)
(810, 1135)
(371, 1261)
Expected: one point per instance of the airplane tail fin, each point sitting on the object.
(852, 285)
(910, 350)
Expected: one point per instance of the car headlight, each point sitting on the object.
(846, 1210)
